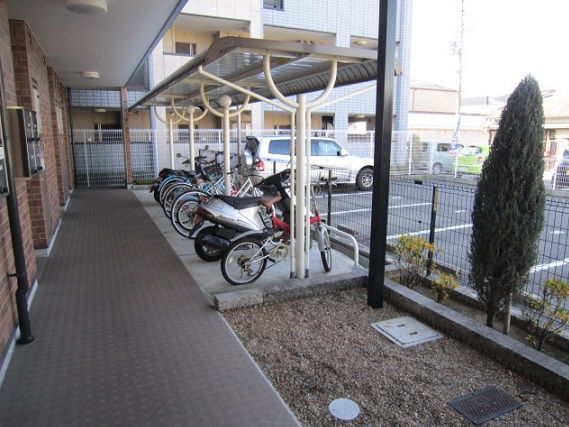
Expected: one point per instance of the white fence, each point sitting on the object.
(100, 160)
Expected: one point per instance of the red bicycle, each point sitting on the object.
(250, 255)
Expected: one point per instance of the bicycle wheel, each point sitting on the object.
(183, 213)
(205, 252)
(244, 262)
(172, 194)
(166, 185)
(324, 247)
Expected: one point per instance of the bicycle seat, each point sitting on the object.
(238, 202)
(181, 172)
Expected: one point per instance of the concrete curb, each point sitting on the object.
(294, 288)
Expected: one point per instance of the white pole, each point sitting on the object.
(308, 175)
(300, 202)
(292, 184)
(225, 102)
(171, 128)
(192, 140)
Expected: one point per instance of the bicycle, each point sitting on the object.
(247, 257)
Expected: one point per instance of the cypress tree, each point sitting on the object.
(508, 211)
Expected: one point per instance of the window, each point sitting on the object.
(273, 4)
(186, 48)
(279, 146)
(328, 148)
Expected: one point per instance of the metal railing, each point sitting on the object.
(411, 211)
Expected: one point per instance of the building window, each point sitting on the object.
(186, 48)
(273, 4)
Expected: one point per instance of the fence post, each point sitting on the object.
(86, 159)
(432, 228)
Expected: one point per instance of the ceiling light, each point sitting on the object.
(87, 7)
(89, 74)
(361, 42)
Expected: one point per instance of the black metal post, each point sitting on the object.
(21, 273)
(434, 205)
(382, 157)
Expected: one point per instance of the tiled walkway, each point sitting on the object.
(125, 337)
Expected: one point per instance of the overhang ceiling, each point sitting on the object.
(296, 68)
(114, 44)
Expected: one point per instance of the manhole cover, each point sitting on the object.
(406, 331)
(344, 409)
(484, 405)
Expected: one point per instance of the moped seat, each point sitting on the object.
(238, 202)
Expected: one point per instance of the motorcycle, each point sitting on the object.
(230, 216)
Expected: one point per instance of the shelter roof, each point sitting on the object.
(295, 68)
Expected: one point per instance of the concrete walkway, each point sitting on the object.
(125, 337)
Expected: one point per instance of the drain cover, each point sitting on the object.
(406, 331)
(344, 409)
(484, 405)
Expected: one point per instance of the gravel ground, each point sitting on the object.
(319, 349)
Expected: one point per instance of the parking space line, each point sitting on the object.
(547, 266)
(437, 230)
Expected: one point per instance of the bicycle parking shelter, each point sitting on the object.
(237, 71)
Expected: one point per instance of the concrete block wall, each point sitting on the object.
(537, 366)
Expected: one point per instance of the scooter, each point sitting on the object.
(230, 216)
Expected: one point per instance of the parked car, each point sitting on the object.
(471, 158)
(439, 158)
(560, 177)
(272, 154)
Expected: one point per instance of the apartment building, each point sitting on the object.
(333, 23)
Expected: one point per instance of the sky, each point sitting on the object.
(504, 41)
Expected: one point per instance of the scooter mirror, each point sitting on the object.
(178, 155)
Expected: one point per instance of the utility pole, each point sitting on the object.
(455, 148)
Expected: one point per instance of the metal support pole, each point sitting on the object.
(384, 124)
(225, 102)
(21, 273)
(292, 273)
(300, 199)
(171, 135)
(192, 153)
(329, 192)
(434, 206)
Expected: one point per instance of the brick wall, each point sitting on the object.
(60, 131)
(8, 312)
(45, 189)
(7, 287)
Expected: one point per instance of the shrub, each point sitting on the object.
(442, 283)
(546, 315)
(411, 257)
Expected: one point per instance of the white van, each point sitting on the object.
(272, 154)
